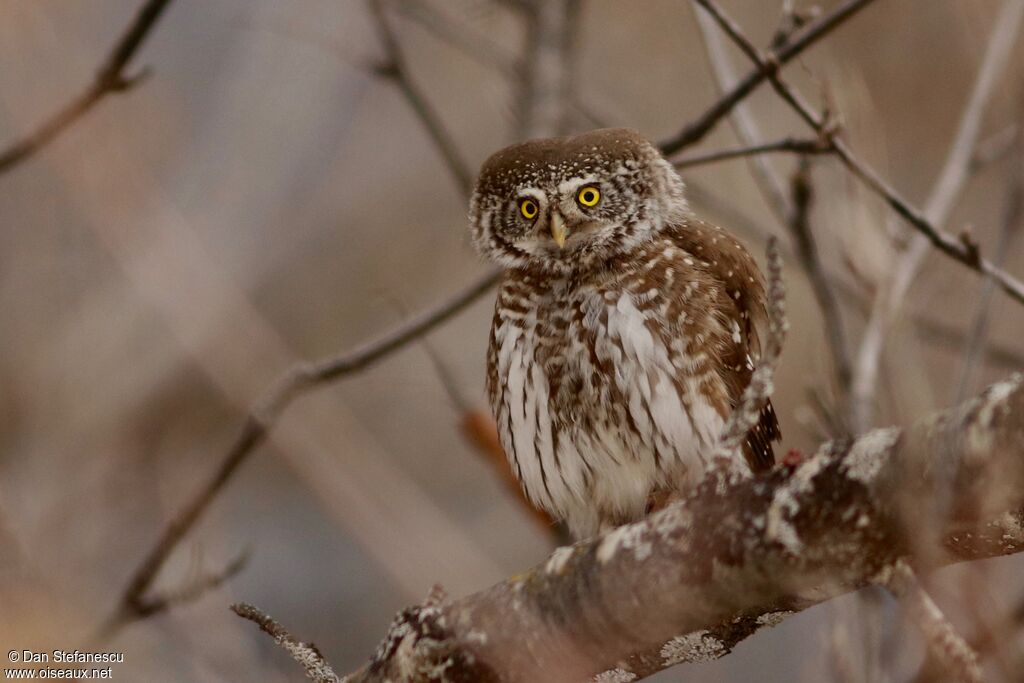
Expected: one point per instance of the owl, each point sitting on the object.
(625, 328)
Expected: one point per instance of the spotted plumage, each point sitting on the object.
(625, 328)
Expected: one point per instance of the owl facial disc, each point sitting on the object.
(564, 205)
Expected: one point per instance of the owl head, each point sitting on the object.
(560, 205)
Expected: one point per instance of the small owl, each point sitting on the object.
(625, 328)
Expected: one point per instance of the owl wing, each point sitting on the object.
(739, 303)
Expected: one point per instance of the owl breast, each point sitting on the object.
(600, 402)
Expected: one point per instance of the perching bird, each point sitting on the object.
(625, 328)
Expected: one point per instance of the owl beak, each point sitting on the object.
(558, 230)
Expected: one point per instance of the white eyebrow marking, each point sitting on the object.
(569, 186)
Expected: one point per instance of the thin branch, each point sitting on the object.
(487, 53)
(546, 88)
(695, 131)
(940, 333)
(944, 194)
(189, 592)
(931, 328)
(396, 69)
(744, 124)
(793, 210)
(931, 671)
(947, 244)
(693, 579)
(479, 47)
(1012, 216)
(807, 249)
(135, 604)
(788, 145)
(793, 19)
(481, 433)
(306, 654)
(111, 78)
(953, 175)
(946, 645)
(994, 147)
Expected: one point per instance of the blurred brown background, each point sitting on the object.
(263, 198)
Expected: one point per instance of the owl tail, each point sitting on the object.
(758, 448)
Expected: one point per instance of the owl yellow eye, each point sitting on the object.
(588, 196)
(528, 208)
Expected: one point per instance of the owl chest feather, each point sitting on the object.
(601, 392)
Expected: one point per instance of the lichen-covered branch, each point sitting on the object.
(306, 654)
(948, 648)
(692, 580)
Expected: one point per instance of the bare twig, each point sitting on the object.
(787, 145)
(932, 671)
(547, 82)
(481, 432)
(769, 182)
(994, 147)
(396, 69)
(793, 19)
(807, 249)
(695, 131)
(111, 78)
(1012, 215)
(189, 592)
(488, 53)
(306, 654)
(950, 180)
(791, 211)
(134, 603)
(944, 242)
(479, 47)
(940, 333)
(944, 194)
(944, 643)
(932, 329)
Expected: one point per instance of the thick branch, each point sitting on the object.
(109, 79)
(695, 578)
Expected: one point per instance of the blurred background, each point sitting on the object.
(266, 196)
